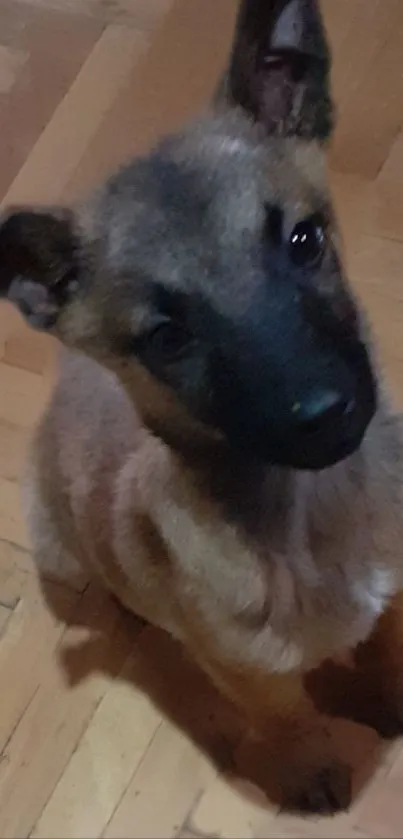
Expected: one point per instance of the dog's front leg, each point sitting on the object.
(300, 758)
(380, 664)
(210, 564)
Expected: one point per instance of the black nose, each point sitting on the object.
(320, 410)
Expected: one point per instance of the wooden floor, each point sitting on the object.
(105, 728)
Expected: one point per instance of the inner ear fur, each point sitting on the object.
(279, 70)
(39, 262)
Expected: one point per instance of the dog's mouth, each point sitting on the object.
(339, 430)
(325, 427)
(313, 451)
(322, 448)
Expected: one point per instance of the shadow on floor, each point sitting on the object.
(102, 637)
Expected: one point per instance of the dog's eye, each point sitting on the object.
(307, 242)
(169, 341)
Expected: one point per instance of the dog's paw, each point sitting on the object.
(323, 791)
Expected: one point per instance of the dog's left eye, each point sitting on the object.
(169, 341)
(307, 242)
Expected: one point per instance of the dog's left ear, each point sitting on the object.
(280, 67)
(39, 263)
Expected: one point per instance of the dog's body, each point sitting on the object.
(263, 568)
(219, 460)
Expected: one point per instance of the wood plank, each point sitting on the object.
(367, 87)
(143, 14)
(161, 93)
(50, 729)
(77, 118)
(101, 768)
(23, 394)
(56, 45)
(168, 782)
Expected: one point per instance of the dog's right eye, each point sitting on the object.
(307, 242)
(169, 341)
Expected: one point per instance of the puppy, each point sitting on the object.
(217, 448)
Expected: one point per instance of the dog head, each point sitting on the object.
(207, 275)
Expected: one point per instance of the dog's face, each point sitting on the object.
(207, 275)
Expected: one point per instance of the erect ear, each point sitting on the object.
(280, 67)
(39, 263)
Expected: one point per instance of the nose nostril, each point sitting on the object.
(321, 410)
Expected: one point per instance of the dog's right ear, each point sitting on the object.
(280, 66)
(39, 263)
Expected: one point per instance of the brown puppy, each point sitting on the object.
(215, 448)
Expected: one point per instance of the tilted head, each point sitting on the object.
(207, 274)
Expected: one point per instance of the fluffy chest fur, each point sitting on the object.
(311, 578)
(281, 571)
